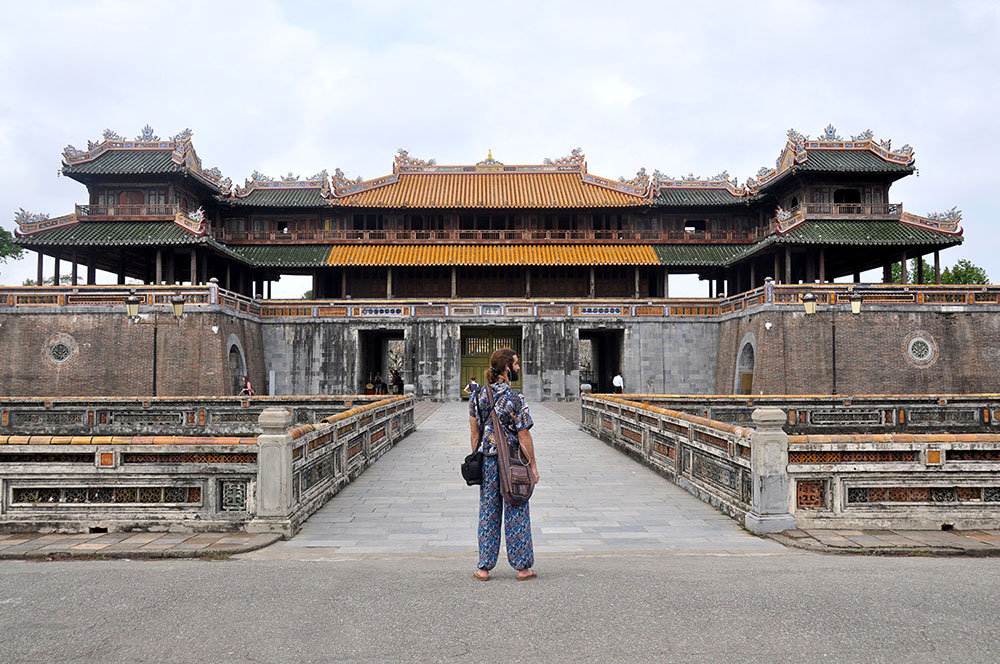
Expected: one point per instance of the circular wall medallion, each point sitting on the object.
(920, 349)
(61, 349)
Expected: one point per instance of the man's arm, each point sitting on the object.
(528, 445)
(474, 431)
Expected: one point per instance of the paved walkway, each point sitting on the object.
(591, 499)
(131, 545)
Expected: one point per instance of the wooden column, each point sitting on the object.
(635, 292)
(857, 277)
(269, 283)
(170, 267)
(777, 266)
(810, 267)
(388, 284)
(719, 287)
(91, 267)
(343, 282)
(905, 272)
(920, 269)
(711, 288)
(753, 274)
(666, 282)
(788, 264)
(937, 267)
(194, 267)
(527, 282)
(593, 283)
(55, 274)
(887, 273)
(75, 274)
(40, 278)
(159, 268)
(822, 265)
(121, 266)
(229, 279)
(454, 282)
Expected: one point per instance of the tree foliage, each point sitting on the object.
(7, 247)
(64, 280)
(963, 272)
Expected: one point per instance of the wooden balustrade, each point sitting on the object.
(125, 211)
(313, 236)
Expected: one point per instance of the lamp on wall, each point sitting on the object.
(132, 306)
(855, 299)
(177, 302)
(809, 302)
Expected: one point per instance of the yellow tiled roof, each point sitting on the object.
(453, 254)
(490, 190)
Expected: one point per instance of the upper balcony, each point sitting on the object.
(496, 237)
(867, 211)
(122, 212)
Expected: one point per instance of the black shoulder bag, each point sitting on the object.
(472, 467)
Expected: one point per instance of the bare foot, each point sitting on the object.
(526, 574)
(481, 574)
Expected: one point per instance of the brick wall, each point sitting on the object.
(110, 355)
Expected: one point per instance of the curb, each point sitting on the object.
(137, 554)
(896, 551)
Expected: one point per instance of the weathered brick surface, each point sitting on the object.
(113, 356)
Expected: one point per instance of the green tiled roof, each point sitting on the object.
(122, 234)
(114, 162)
(864, 232)
(299, 255)
(696, 254)
(113, 234)
(679, 196)
(281, 197)
(853, 161)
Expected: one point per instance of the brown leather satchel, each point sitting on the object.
(516, 480)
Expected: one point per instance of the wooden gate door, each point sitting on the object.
(478, 344)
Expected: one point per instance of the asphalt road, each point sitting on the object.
(785, 607)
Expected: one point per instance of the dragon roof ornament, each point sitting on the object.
(575, 156)
(258, 180)
(403, 158)
(641, 179)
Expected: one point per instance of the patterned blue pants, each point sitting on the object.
(516, 521)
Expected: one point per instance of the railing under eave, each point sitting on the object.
(501, 237)
(126, 211)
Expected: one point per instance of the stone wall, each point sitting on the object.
(841, 353)
(309, 357)
(98, 352)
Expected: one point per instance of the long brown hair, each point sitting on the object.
(499, 361)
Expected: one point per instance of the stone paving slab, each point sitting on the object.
(131, 545)
(894, 542)
(591, 499)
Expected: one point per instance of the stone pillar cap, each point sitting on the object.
(274, 421)
(769, 417)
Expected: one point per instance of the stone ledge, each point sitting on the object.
(136, 545)
(972, 543)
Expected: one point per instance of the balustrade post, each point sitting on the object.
(770, 505)
(274, 472)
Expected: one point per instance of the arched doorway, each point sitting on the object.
(236, 365)
(744, 370)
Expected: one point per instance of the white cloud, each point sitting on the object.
(302, 86)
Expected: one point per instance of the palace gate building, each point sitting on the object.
(428, 268)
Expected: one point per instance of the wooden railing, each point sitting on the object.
(498, 236)
(125, 211)
(826, 210)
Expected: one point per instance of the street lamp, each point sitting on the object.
(132, 312)
(809, 302)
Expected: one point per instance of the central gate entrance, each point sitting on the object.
(478, 343)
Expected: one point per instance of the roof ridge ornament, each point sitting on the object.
(489, 161)
(954, 214)
(574, 157)
(110, 135)
(24, 217)
(147, 134)
(341, 181)
(866, 135)
(830, 133)
(640, 180)
(403, 158)
(182, 135)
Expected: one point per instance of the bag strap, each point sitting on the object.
(498, 431)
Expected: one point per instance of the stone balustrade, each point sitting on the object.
(272, 482)
(770, 481)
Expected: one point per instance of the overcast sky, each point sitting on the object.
(681, 87)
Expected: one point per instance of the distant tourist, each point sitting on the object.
(397, 383)
(512, 411)
(471, 388)
(247, 390)
(618, 382)
(378, 384)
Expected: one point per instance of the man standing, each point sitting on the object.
(618, 382)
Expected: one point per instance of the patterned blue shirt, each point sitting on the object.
(512, 409)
